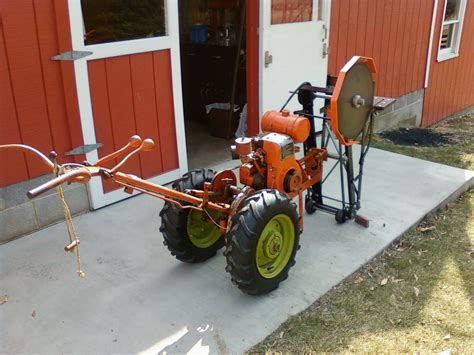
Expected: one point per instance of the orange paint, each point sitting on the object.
(333, 110)
(297, 127)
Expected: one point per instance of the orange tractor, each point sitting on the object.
(256, 220)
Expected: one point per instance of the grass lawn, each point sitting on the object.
(417, 296)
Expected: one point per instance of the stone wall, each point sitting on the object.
(20, 215)
(405, 112)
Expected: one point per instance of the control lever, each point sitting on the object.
(133, 142)
(145, 146)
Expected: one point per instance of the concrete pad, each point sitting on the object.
(136, 298)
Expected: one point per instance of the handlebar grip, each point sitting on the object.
(61, 179)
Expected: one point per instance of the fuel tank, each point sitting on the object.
(297, 127)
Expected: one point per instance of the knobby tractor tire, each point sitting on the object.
(262, 242)
(187, 235)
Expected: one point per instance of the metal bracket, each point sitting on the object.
(325, 29)
(268, 59)
(72, 55)
(84, 149)
(325, 50)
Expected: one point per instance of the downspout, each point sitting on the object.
(430, 48)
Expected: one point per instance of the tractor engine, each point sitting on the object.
(268, 160)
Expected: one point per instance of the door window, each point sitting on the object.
(122, 20)
(289, 11)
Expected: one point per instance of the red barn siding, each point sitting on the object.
(34, 108)
(451, 82)
(395, 33)
(133, 95)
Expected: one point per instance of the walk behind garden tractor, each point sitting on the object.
(256, 220)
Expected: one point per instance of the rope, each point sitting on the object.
(71, 229)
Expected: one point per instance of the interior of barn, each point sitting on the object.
(213, 74)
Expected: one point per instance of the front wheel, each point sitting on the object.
(191, 236)
(262, 242)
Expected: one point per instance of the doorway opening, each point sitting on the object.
(214, 77)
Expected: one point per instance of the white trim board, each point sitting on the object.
(107, 50)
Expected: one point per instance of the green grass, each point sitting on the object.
(417, 296)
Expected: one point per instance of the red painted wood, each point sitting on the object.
(37, 89)
(19, 25)
(252, 68)
(393, 41)
(73, 117)
(370, 29)
(450, 88)
(385, 45)
(12, 165)
(376, 51)
(386, 31)
(333, 38)
(42, 100)
(165, 109)
(410, 80)
(100, 109)
(122, 116)
(407, 21)
(52, 79)
(133, 95)
(362, 23)
(353, 29)
(342, 27)
(396, 34)
(145, 107)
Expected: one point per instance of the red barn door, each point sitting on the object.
(128, 82)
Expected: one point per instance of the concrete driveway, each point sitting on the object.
(136, 298)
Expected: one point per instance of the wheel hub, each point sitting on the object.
(273, 244)
(201, 229)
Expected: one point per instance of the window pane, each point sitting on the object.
(120, 20)
(452, 10)
(288, 11)
(447, 36)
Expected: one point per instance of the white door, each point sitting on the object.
(293, 49)
(129, 82)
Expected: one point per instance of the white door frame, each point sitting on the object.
(265, 23)
(171, 41)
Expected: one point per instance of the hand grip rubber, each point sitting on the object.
(61, 179)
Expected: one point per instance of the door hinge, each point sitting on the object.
(268, 59)
(325, 50)
(71, 55)
(84, 149)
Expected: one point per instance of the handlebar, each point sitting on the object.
(81, 172)
(82, 175)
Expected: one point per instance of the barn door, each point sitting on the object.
(128, 82)
(293, 49)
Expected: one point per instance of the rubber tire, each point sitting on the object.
(340, 217)
(174, 222)
(309, 205)
(247, 226)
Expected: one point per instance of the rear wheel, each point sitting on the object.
(190, 235)
(262, 242)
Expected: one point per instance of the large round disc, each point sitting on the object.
(353, 99)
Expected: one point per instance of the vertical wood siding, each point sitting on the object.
(133, 95)
(451, 83)
(34, 107)
(395, 33)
